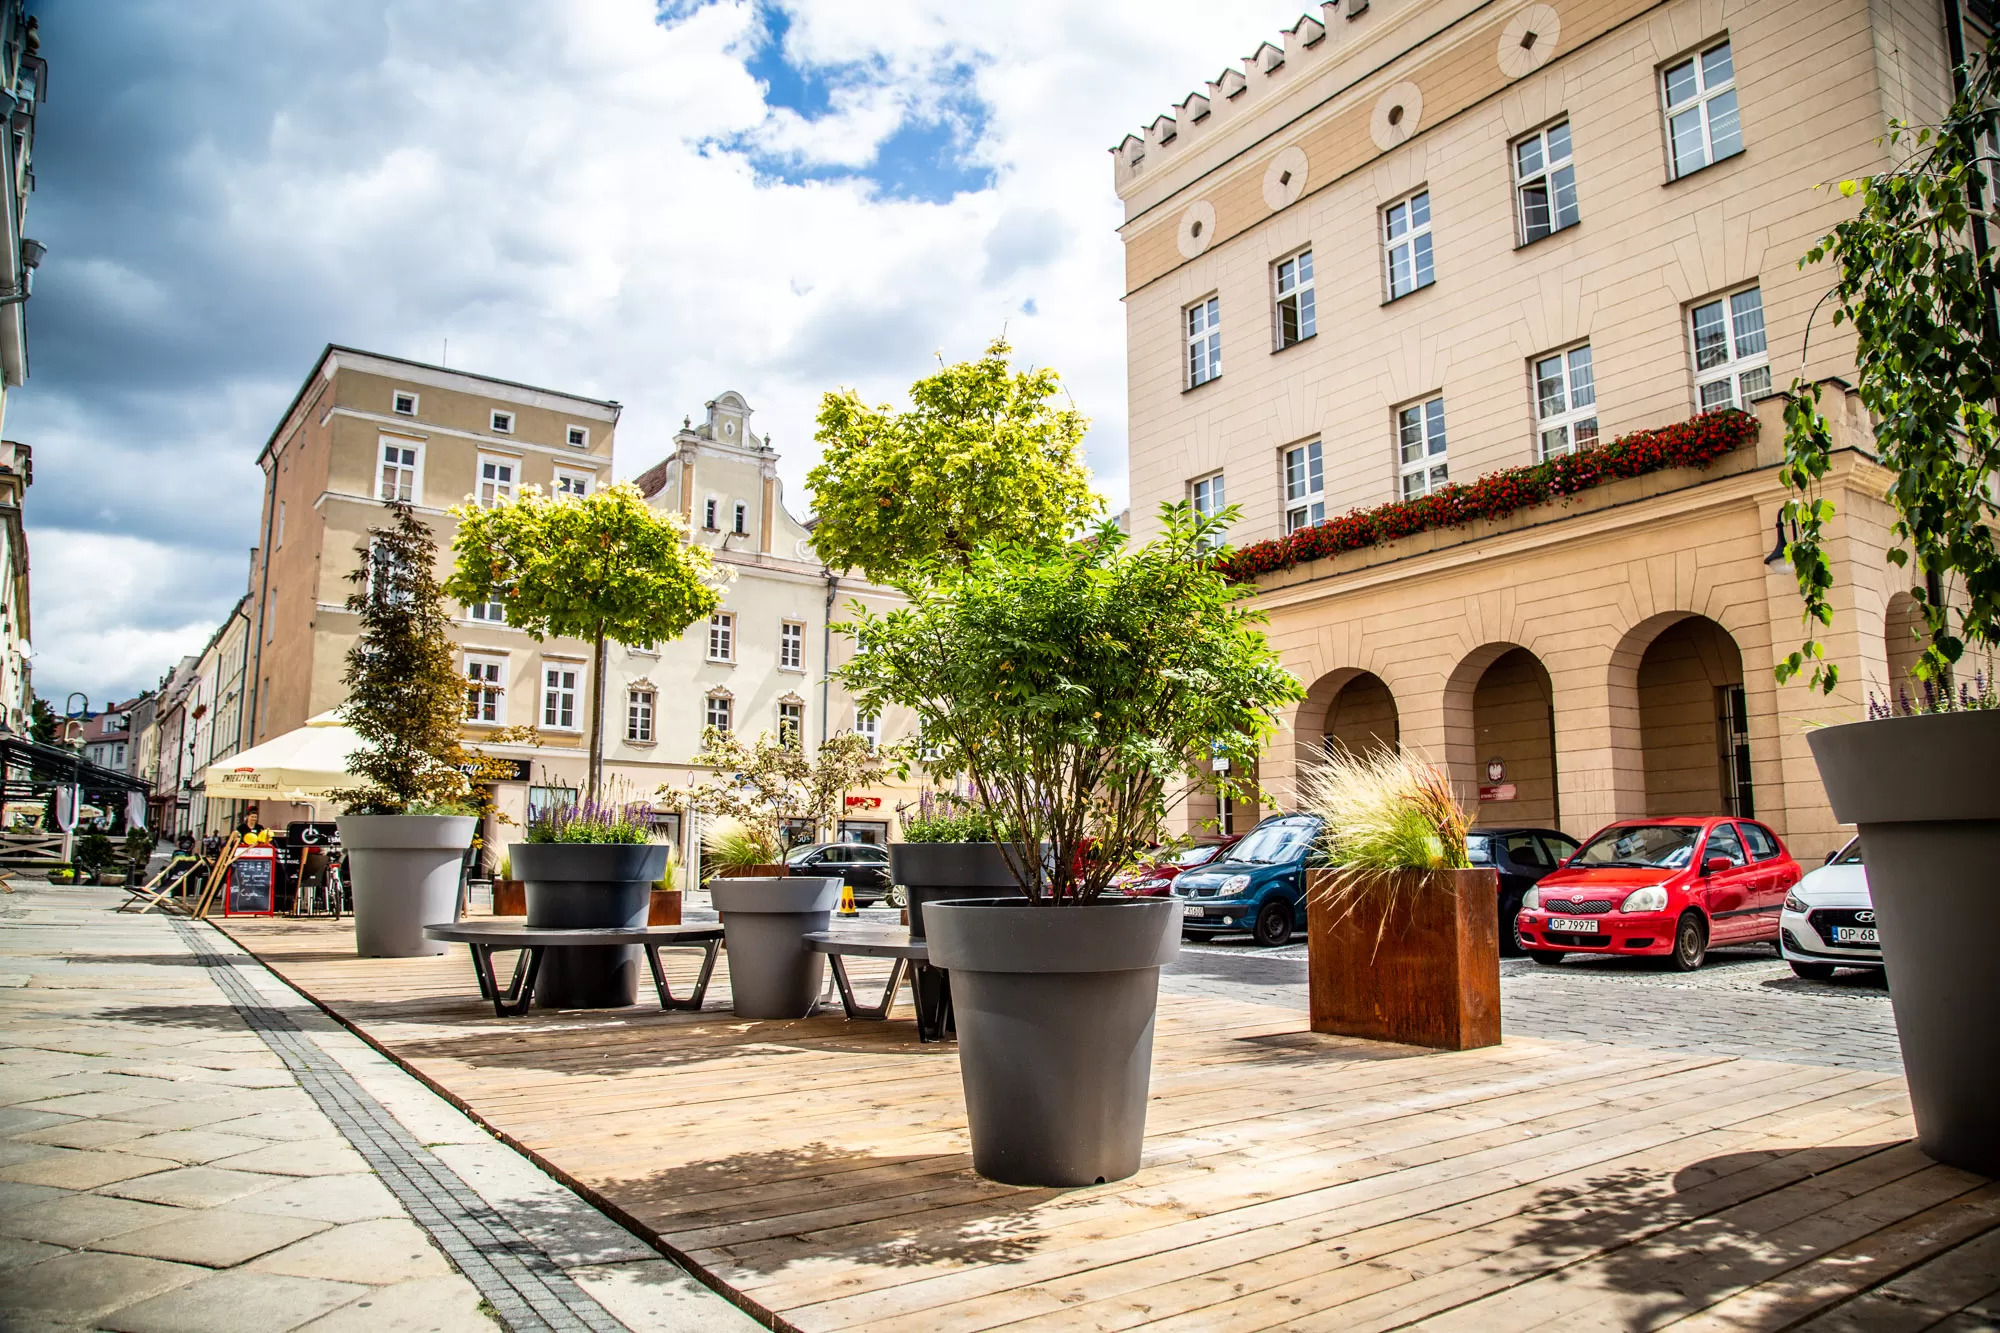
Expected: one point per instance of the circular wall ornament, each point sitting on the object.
(1529, 40)
(1197, 228)
(1285, 178)
(1397, 115)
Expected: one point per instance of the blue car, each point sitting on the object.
(1260, 887)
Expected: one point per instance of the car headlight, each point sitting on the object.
(1652, 898)
(1150, 884)
(1794, 903)
(1234, 884)
(1531, 901)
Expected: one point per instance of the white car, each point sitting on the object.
(1829, 919)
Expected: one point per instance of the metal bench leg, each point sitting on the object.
(930, 988)
(521, 990)
(700, 992)
(847, 1001)
(482, 968)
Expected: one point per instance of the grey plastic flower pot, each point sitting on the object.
(1055, 1007)
(573, 885)
(404, 871)
(764, 924)
(1925, 794)
(937, 871)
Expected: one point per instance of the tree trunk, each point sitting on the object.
(597, 716)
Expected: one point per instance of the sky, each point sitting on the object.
(645, 200)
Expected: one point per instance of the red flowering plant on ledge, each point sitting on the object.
(1695, 443)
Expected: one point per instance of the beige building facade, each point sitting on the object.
(1415, 242)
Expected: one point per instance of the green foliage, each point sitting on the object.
(42, 721)
(731, 846)
(139, 844)
(1922, 306)
(1386, 810)
(405, 698)
(983, 455)
(624, 823)
(772, 780)
(1075, 686)
(598, 567)
(942, 817)
(92, 854)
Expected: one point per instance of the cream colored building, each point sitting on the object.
(1418, 241)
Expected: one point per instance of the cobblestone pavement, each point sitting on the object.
(1744, 1001)
(185, 1143)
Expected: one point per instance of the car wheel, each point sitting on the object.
(1274, 925)
(1546, 957)
(1690, 944)
(898, 896)
(1511, 945)
(1814, 971)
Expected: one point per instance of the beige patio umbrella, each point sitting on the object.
(301, 765)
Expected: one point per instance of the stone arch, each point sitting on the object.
(1499, 708)
(1678, 677)
(1351, 706)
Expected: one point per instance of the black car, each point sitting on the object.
(863, 865)
(1522, 856)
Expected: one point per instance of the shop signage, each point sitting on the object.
(509, 770)
(864, 803)
(1496, 791)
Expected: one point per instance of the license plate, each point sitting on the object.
(1855, 935)
(1573, 925)
(1193, 911)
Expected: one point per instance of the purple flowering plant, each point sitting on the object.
(1971, 696)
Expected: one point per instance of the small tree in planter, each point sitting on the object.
(600, 567)
(1403, 934)
(1924, 789)
(1080, 689)
(406, 827)
(766, 915)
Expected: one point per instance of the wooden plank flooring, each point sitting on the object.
(818, 1171)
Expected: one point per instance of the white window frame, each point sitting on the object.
(1565, 419)
(396, 403)
(792, 716)
(792, 645)
(1429, 469)
(641, 705)
(487, 613)
(1701, 103)
(1414, 241)
(1209, 495)
(711, 515)
(572, 431)
(719, 706)
(1292, 288)
(569, 481)
(501, 423)
(740, 519)
(868, 726)
(1303, 467)
(499, 493)
(1201, 334)
(1746, 375)
(415, 467)
(722, 637)
(485, 693)
(556, 694)
(1552, 175)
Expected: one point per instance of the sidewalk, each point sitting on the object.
(185, 1143)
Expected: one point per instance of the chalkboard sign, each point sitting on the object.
(251, 886)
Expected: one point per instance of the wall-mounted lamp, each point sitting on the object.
(32, 254)
(1778, 557)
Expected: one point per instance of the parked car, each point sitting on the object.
(1258, 885)
(1521, 856)
(1828, 921)
(1663, 888)
(863, 865)
(1156, 878)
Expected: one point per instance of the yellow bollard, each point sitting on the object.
(847, 907)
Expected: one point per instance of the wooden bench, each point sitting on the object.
(930, 987)
(485, 936)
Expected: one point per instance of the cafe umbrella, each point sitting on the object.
(306, 764)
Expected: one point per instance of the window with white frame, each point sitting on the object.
(1203, 323)
(709, 513)
(484, 677)
(496, 481)
(1699, 101)
(639, 715)
(1406, 244)
(1208, 495)
(397, 479)
(1731, 364)
(716, 713)
(405, 404)
(1565, 403)
(1420, 448)
(559, 691)
(572, 483)
(722, 637)
(1544, 182)
(1305, 487)
(578, 437)
(792, 646)
(490, 613)
(868, 727)
(791, 723)
(742, 518)
(1295, 299)
(503, 423)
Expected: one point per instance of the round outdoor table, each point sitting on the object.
(483, 937)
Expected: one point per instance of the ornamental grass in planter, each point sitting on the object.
(1403, 934)
(766, 915)
(589, 864)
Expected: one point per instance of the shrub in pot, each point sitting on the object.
(664, 906)
(1402, 933)
(766, 916)
(589, 865)
(509, 899)
(948, 851)
(1081, 688)
(1922, 783)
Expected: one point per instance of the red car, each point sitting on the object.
(1664, 888)
(1151, 881)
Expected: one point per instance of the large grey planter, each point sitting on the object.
(571, 885)
(937, 871)
(764, 924)
(1925, 794)
(404, 871)
(1054, 1007)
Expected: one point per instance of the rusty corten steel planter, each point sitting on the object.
(1428, 975)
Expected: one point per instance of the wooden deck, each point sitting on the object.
(818, 1172)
